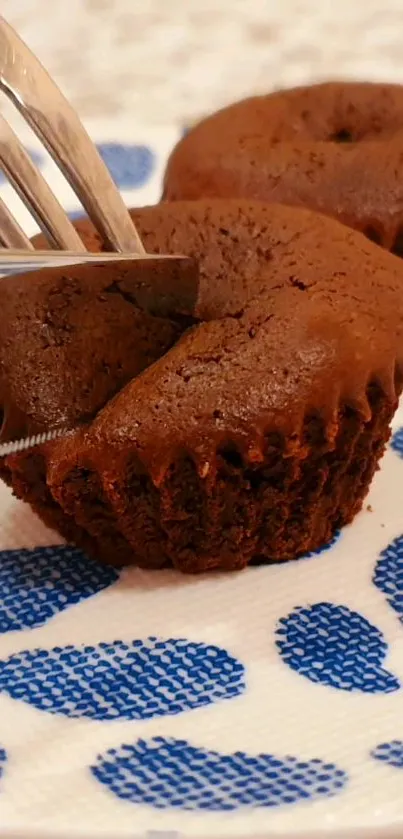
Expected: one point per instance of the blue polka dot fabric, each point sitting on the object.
(125, 681)
(262, 703)
(390, 753)
(397, 442)
(36, 585)
(3, 758)
(388, 576)
(333, 646)
(166, 773)
(327, 547)
(130, 165)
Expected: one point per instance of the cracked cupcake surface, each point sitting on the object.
(335, 148)
(241, 424)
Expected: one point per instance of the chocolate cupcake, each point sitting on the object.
(242, 424)
(335, 148)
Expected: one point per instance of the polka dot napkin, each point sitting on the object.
(263, 703)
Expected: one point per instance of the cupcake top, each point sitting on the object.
(333, 147)
(280, 314)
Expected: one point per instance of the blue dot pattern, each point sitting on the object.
(388, 575)
(323, 549)
(164, 772)
(333, 646)
(131, 166)
(126, 681)
(3, 758)
(397, 442)
(37, 584)
(390, 753)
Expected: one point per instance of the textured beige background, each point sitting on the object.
(173, 59)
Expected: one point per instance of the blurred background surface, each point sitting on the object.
(168, 61)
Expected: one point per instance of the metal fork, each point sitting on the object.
(27, 84)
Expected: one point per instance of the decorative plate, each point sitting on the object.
(264, 703)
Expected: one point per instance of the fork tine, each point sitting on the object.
(33, 92)
(35, 192)
(11, 234)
